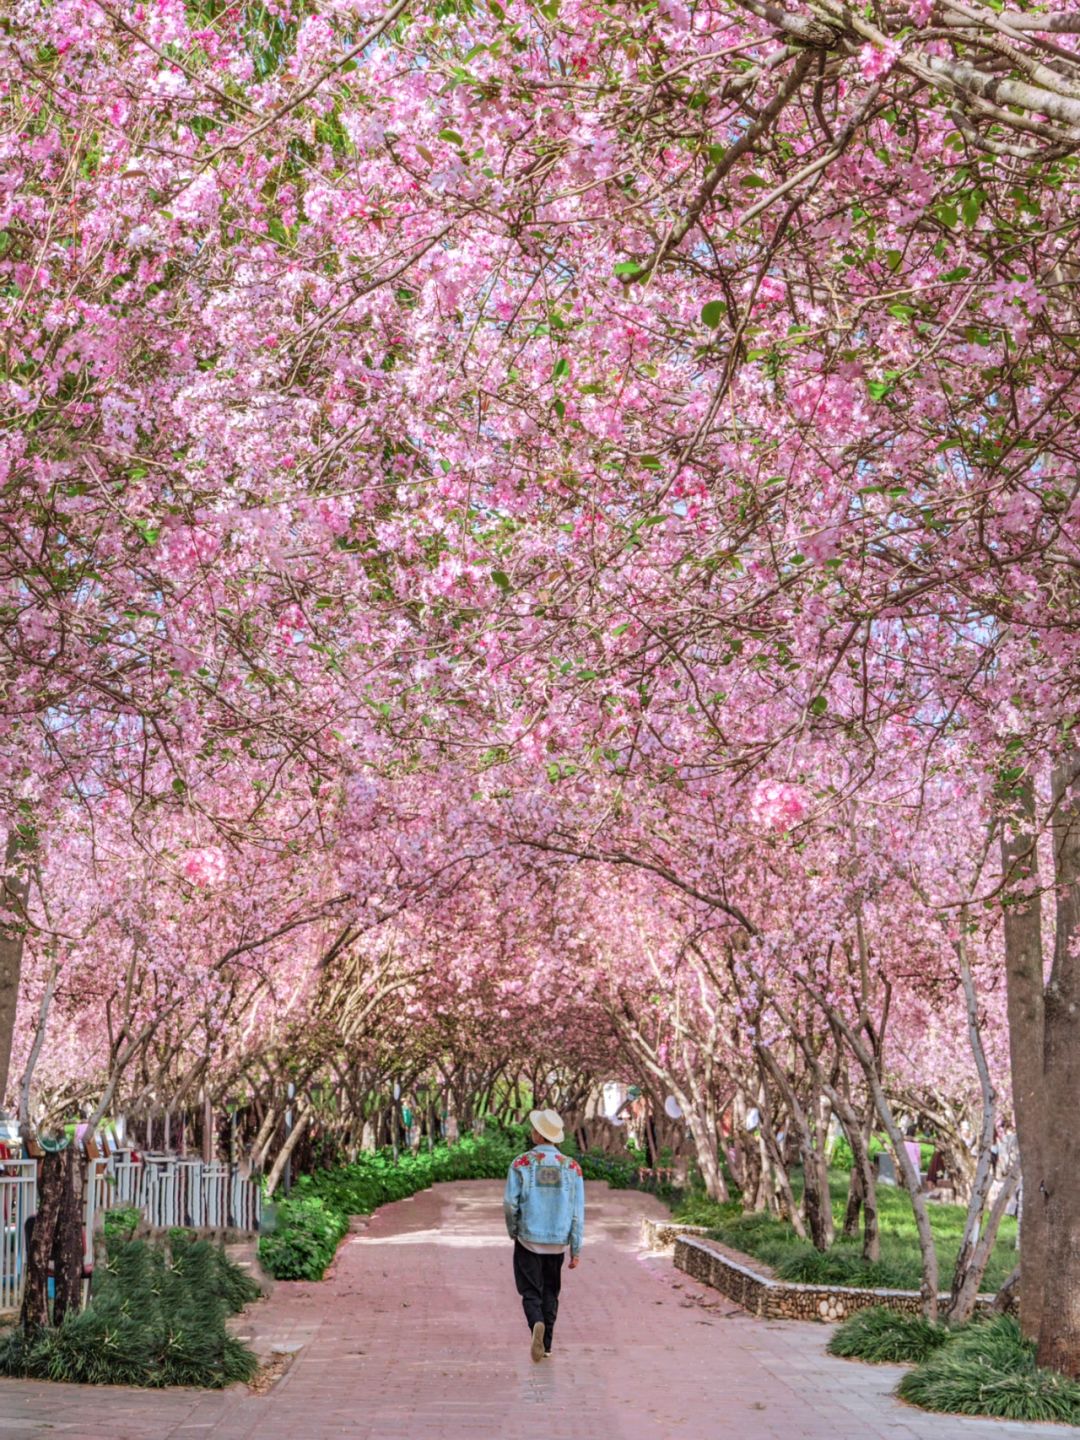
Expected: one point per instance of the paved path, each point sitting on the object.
(418, 1335)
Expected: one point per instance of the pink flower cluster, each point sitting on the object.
(206, 867)
(876, 61)
(778, 805)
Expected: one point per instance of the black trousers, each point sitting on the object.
(538, 1279)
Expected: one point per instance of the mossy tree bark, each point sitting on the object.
(14, 888)
(35, 1306)
(1059, 1326)
(67, 1248)
(1024, 991)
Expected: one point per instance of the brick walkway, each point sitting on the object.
(418, 1335)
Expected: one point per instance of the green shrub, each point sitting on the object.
(156, 1318)
(306, 1238)
(122, 1222)
(887, 1337)
(311, 1222)
(989, 1369)
(698, 1209)
(843, 1265)
(763, 1237)
(619, 1171)
(206, 1267)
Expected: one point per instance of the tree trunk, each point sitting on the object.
(781, 1178)
(14, 888)
(853, 1209)
(1003, 1300)
(928, 1290)
(973, 1253)
(260, 1146)
(862, 1187)
(823, 1113)
(816, 1200)
(67, 1250)
(35, 1305)
(1059, 1329)
(708, 1155)
(815, 1203)
(291, 1141)
(871, 1246)
(974, 1257)
(1024, 995)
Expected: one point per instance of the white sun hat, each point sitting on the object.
(548, 1123)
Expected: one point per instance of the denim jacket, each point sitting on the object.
(544, 1199)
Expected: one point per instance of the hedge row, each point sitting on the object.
(312, 1221)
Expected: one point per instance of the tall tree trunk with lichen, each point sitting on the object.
(35, 1303)
(1022, 918)
(1059, 1326)
(14, 889)
(68, 1244)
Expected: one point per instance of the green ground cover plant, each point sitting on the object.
(121, 1222)
(156, 1317)
(888, 1337)
(306, 1234)
(988, 1368)
(776, 1244)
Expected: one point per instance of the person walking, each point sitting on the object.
(544, 1205)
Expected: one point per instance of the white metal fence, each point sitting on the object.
(168, 1189)
(18, 1201)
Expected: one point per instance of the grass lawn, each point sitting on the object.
(777, 1245)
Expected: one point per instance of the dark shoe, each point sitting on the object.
(537, 1350)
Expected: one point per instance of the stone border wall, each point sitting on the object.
(662, 1234)
(772, 1299)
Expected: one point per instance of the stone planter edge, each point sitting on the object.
(771, 1299)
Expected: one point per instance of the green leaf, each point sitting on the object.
(452, 136)
(650, 462)
(179, 787)
(818, 705)
(561, 370)
(502, 580)
(972, 207)
(960, 273)
(713, 313)
(627, 268)
(560, 408)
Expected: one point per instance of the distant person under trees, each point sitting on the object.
(544, 1205)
